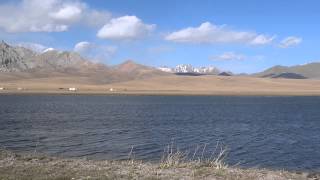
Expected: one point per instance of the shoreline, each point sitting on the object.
(161, 93)
(35, 166)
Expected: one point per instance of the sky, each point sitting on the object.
(240, 36)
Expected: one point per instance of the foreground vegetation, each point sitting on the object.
(172, 166)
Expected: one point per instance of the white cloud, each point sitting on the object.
(94, 51)
(262, 40)
(96, 18)
(125, 28)
(82, 47)
(211, 33)
(228, 56)
(67, 13)
(290, 41)
(48, 15)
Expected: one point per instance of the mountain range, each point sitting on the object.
(19, 62)
(22, 63)
(306, 71)
(188, 68)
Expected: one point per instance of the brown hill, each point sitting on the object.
(311, 70)
(137, 71)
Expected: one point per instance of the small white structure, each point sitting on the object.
(73, 89)
(19, 88)
(111, 89)
(2, 88)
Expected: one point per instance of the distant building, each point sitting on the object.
(111, 90)
(19, 88)
(73, 89)
(2, 88)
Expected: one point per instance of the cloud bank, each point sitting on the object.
(125, 28)
(48, 15)
(290, 41)
(228, 56)
(214, 34)
(94, 51)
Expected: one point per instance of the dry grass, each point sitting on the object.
(219, 85)
(174, 165)
(173, 157)
(174, 85)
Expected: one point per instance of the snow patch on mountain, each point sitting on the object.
(187, 68)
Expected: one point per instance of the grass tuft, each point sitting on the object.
(173, 157)
(174, 164)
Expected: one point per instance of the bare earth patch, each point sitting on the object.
(18, 166)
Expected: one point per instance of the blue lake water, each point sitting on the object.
(273, 132)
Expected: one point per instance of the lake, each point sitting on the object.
(273, 132)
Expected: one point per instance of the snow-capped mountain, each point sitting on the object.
(207, 70)
(187, 68)
(184, 68)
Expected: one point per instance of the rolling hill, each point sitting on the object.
(311, 70)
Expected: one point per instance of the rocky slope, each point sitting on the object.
(11, 59)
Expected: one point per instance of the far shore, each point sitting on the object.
(167, 85)
(160, 93)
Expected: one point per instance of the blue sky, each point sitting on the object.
(240, 36)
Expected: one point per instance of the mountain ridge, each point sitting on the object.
(189, 69)
(20, 62)
(16, 61)
(310, 70)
